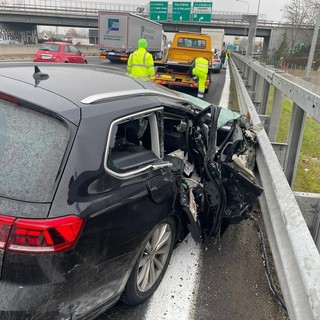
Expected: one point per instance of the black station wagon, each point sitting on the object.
(101, 175)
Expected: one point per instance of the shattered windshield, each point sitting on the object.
(225, 115)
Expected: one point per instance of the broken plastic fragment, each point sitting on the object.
(239, 163)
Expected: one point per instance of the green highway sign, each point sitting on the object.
(202, 11)
(158, 10)
(181, 11)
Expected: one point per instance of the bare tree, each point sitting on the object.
(295, 12)
(72, 32)
(312, 7)
(298, 13)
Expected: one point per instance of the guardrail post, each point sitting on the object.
(244, 74)
(275, 114)
(309, 204)
(265, 98)
(258, 89)
(316, 229)
(251, 76)
(294, 140)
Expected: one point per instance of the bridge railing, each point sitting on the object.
(291, 219)
(91, 9)
(70, 7)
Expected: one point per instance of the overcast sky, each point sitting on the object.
(270, 8)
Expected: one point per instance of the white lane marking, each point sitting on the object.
(175, 297)
(224, 100)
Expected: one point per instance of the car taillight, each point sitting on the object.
(5, 226)
(39, 236)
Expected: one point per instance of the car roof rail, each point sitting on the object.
(130, 93)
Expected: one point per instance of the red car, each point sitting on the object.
(62, 52)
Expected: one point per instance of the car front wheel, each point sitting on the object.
(151, 265)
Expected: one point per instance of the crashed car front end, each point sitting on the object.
(218, 182)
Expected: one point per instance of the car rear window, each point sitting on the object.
(50, 47)
(192, 43)
(31, 150)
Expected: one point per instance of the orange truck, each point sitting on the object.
(175, 70)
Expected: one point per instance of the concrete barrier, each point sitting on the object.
(27, 51)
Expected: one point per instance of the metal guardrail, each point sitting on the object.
(295, 254)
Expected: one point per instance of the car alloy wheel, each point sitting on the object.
(151, 265)
(154, 257)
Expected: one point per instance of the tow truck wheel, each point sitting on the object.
(151, 265)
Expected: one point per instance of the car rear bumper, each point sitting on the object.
(175, 83)
(48, 289)
(47, 60)
(56, 315)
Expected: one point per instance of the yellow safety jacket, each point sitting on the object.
(201, 65)
(140, 65)
(201, 68)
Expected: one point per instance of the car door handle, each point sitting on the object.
(157, 166)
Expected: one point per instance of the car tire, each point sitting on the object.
(151, 265)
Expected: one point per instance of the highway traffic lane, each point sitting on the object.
(215, 90)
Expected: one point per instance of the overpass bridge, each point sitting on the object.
(19, 19)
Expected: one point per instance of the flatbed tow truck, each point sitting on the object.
(175, 70)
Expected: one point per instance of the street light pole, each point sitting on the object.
(307, 75)
(255, 31)
(245, 28)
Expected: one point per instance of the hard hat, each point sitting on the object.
(142, 43)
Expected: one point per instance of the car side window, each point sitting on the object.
(74, 49)
(133, 145)
(67, 49)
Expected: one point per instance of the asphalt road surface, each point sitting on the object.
(224, 280)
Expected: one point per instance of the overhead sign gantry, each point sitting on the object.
(158, 10)
(182, 11)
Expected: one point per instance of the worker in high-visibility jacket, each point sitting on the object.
(200, 71)
(226, 61)
(140, 63)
